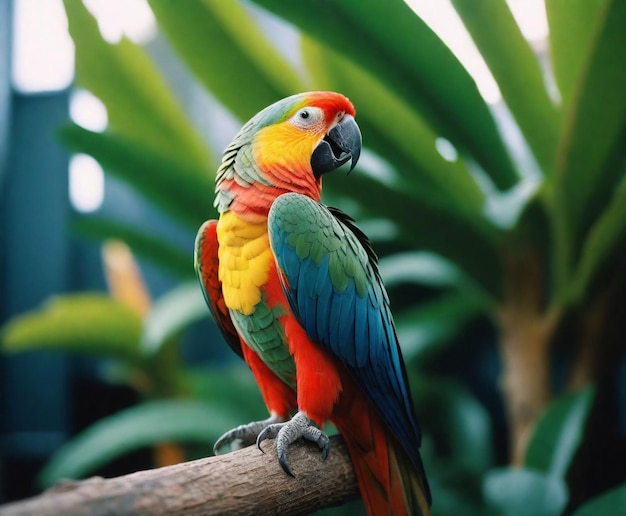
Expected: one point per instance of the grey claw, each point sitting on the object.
(282, 460)
(325, 450)
(286, 433)
(245, 435)
(218, 444)
(269, 432)
(261, 437)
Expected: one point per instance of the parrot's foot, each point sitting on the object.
(245, 435)
(286, 433)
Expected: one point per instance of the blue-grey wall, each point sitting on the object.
(5, 89)
(34, 218)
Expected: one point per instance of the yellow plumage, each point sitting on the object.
(245, 257)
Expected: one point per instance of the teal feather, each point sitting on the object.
(336, 292)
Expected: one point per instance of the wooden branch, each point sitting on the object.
(241, 482)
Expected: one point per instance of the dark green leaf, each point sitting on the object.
(456, 421)
(607, 504)
(519, 492)
(558, 434)
(352, 508)
(398, 133)
(228, 53)
(572, 25)
(389, 41)
(604, 237)
(171, 313)
(139, 103)
(530, 236)
(183, 191)
(151, 247)
(423, 225)
(142, 425)
(434, 322)
(423, 268)
(592, 139)
(92, 324)
(227, 387)
(516, 70)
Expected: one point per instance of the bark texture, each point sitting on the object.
(242, 482)
(526, 328)
(526, 382)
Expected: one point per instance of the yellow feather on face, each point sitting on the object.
(284, 141)
(283, 154)
(244, 261)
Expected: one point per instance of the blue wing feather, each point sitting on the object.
(360, 326)
(346, 315)
(338, 310)
(323, 301)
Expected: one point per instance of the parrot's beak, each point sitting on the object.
(340, 145)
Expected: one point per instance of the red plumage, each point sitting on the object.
(390, 481)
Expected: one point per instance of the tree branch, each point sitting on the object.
(242, 482)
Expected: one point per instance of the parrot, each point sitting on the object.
(295, 289)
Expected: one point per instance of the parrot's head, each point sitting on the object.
(287, 147)
(312, 132)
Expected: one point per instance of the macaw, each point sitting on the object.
(294, 287)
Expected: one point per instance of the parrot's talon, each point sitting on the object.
(261, 437)
(245, 435)
(299, 426)
(326, 450)
(282, 460)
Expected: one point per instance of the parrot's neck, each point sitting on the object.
(252, 202)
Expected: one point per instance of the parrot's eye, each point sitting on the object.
(307, 117)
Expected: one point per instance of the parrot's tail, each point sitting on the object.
(388, 481)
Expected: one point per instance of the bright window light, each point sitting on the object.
(117, 18)
(43, 52)
(86, 183)
(88, 111)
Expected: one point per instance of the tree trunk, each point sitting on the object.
(526, 383)
(526, 329)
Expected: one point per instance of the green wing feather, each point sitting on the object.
(331, 279)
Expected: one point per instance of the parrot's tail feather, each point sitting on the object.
(388, 481)
(410, 483)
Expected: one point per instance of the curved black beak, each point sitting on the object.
(340, 145)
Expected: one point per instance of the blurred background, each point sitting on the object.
(492, 185)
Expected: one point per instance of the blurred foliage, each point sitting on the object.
(84, 323)
(533, 244)
(604, 504)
